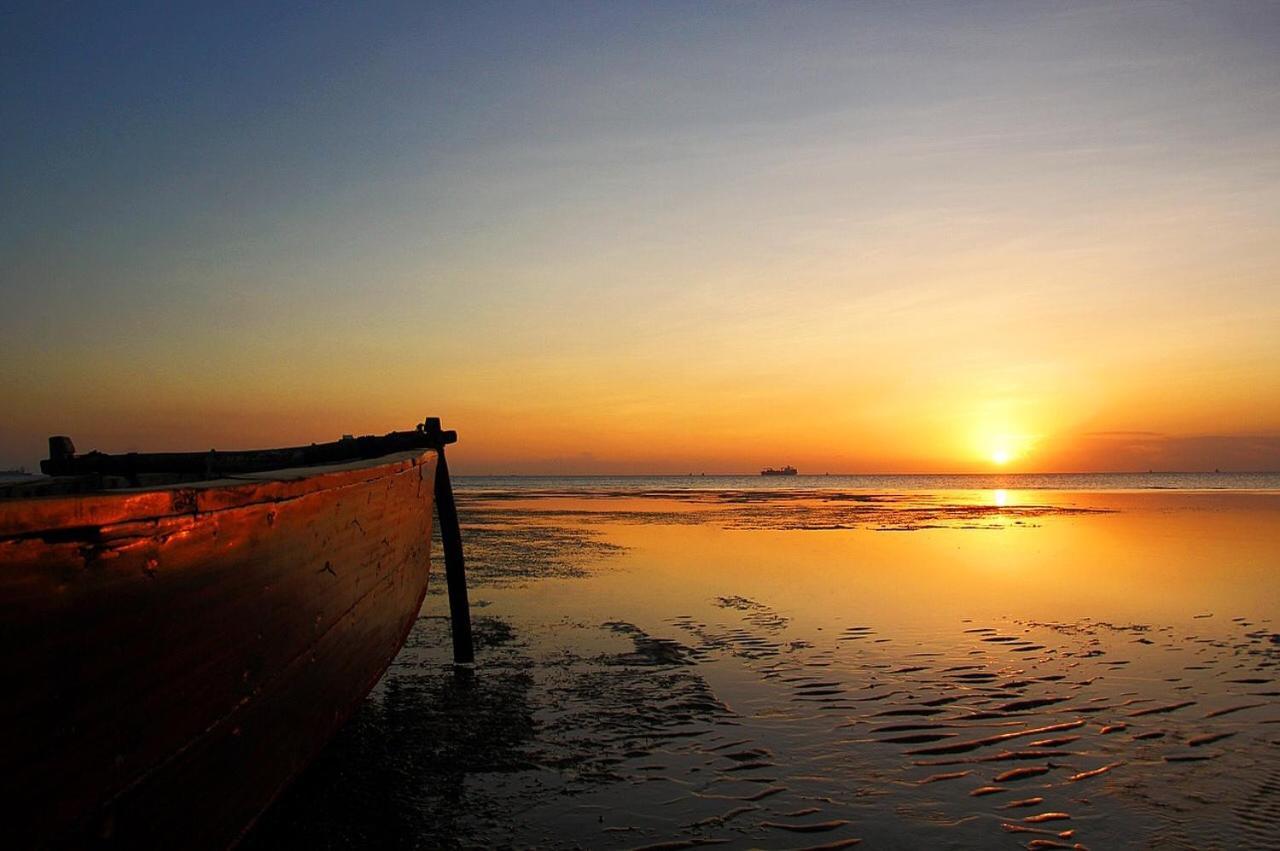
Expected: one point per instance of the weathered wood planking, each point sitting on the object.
(171, 658)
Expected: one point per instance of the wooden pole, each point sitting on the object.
(451, 536)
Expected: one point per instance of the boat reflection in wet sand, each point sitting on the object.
(182, 633)
(785, 471)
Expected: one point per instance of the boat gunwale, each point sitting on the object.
(39, 516)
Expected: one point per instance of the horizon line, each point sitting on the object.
(1215, 472)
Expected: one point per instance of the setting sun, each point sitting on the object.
(1005, 443)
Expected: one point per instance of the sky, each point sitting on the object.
(647, 238)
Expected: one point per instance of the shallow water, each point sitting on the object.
(814, 667)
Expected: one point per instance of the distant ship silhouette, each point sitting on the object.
(785, 471)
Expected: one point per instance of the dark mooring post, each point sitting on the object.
(455, 570)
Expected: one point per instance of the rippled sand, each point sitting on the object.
(792, 670)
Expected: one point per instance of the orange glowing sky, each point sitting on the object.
(656, 238)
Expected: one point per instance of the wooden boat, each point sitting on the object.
(182, 633)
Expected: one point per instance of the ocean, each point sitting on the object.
(822, 662)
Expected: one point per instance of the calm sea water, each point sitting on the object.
(909, 482)
(828, 662)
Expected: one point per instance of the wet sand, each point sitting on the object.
(800, 669)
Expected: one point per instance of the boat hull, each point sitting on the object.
(172, 658)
